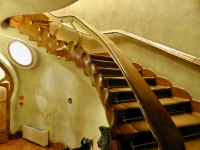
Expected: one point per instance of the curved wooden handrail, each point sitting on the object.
(164, 48)
(169, 50)
(162, 126)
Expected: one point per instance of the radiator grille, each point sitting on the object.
(35, 134)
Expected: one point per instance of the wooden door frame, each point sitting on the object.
(5, 131)
(10, 84)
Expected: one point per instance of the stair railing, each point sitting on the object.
(172, 51)
(161, 125)
(169, 50)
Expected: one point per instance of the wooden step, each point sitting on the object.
(187, 123)
(100, 57)
(104, 63)
(109, 71)
(112, 72)
(161, 91)
(191, 143)
(129, 111)
(128, 135)
(114, 82)
(126, 94)
(110, 64)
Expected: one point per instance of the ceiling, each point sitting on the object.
(11, 8)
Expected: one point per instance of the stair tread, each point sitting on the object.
(158, 87)
(189, 145)
(127, 89)
(104, 68)
(104, 63)
(180, 120)
(134, 104)
(193, 144)
(123, 78)
(100, 57)
(125, 129)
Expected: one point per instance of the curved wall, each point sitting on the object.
(172, 23)
(46, 88)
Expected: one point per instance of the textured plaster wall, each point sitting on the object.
(46, 87)
(172, 23)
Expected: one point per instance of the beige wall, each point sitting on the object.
(46, 88)
(172, 23)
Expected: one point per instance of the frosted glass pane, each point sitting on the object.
(2, 115)
(20, 53)
(3, 93)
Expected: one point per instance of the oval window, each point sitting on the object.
(20, 53)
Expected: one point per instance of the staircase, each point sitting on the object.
(128, 127)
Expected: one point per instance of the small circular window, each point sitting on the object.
(20, 53)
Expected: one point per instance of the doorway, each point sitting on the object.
(6, 86)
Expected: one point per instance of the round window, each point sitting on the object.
(20, 53)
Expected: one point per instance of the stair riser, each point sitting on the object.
(129, 95)
(104, 64)
(190, 130)
(107, 72)
(129, 140)
(162, 93)
(110, 72)
(99, 57)
(122, 82)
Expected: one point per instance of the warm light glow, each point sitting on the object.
(20, 53)
(2, 74)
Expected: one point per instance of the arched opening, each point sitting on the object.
(6, 88)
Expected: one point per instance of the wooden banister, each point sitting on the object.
(162, 126)
(172, 51)
(169, 50)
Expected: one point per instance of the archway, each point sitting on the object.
(6, 88)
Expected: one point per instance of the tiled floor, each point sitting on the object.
(22, 144)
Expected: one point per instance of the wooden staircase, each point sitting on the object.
(128, 127)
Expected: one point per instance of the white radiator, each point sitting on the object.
(35, 134)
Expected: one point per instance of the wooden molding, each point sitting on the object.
(195, 104)
(16, 135)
